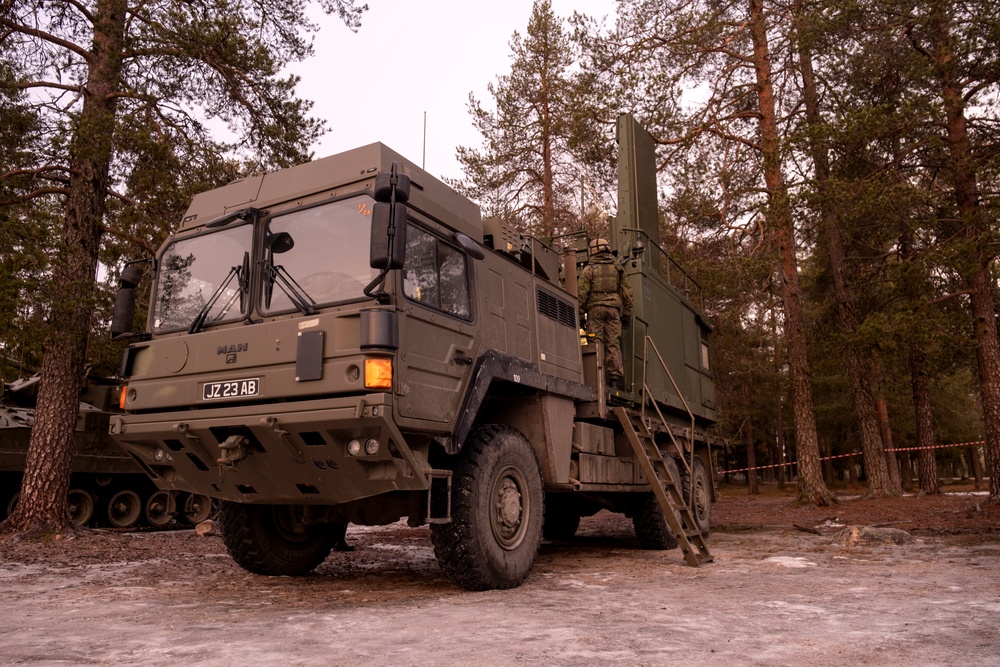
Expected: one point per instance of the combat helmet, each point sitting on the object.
(599, 245)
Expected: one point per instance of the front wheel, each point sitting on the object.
(273, 540)
(497, 511)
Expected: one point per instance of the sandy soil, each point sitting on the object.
(775, 595)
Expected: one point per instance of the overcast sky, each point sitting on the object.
(411, 57)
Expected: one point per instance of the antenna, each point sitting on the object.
(423, 162)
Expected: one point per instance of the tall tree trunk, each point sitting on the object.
(978, 253)
(43, 506)
(812, 488)
(885, 429)
(779, 419)
(975, 466)
(753, 485)
(906, 472)
(546, 138)
(880, 482)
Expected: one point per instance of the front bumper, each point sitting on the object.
(290, 452)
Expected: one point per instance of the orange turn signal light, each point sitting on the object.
(121, 397)
(378, 373)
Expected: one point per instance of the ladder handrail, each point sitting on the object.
(665, 486)
(689, 465)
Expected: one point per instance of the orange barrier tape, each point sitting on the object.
(844, 456)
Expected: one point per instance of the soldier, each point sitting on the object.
(606, 299)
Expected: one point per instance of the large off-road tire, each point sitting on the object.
(497, 511)
(701, 506)
(651, 527)
(268, 539)
(562, 517)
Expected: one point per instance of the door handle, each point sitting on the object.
(462, 358)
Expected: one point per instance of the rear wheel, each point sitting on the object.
(651, 527)
(497, 510)
(273, 540)
(700, 501)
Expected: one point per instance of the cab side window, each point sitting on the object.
(436, 274)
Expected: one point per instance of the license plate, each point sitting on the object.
(231, 389)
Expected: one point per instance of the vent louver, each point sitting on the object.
(553, 307)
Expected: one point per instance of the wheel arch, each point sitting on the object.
(508, 390)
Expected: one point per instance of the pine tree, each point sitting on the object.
(525, 171)
(95, 71)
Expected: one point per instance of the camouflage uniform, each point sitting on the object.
(606, 298)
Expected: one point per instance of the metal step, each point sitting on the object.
(666, 487)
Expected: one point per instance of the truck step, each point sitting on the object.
(666, 487)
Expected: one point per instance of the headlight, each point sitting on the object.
(371, 447)
(354, 447)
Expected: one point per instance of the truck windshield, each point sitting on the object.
(203, 278)
(317, 255)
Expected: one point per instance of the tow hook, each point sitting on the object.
(234, 449)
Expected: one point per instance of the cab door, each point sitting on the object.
(438, 332)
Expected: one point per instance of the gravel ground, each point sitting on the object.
(784, 589)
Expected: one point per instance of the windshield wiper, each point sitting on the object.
(235, 272)
(277, 274)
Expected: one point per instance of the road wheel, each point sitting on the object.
(158, 509)
(651, 527)
(496, 525)
(701, 505)
(562, 518)
(124, 509)
(81, 507)
(272, 540)
(197, 508)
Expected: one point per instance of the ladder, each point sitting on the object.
(667, 490)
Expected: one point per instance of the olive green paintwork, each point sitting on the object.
(335, 176)
(662, 291)
(514, 358)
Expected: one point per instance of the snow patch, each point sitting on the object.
(790, 561)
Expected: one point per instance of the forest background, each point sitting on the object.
(828, 173)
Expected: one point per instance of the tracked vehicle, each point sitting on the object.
(348, 341)
(107, 487)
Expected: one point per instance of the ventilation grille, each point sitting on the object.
(553, 307)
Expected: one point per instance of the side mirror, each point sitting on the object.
(279, 243)
(124, 312)
(470, 247)
(387, 216)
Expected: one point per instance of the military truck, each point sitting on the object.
(107, 486)
(348, 341)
